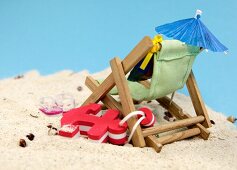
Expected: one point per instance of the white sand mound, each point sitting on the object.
(19, 98)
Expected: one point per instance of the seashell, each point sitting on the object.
(232, 119)
(52, 130)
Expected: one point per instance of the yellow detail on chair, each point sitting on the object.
(156, 46)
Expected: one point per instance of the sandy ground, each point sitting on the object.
(20, 97)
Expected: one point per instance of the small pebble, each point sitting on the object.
(49, 126)
(166, 118)
(212, 122)
(168, 114)
(22, 143)
(172, 119)
(30, 136)
(54, 128)
(52, 131)
(79, 88)
(19, 77)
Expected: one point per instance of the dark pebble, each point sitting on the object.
(167, 118)
(22, 143)
(49, 126)
(168, 114)
(79, 88)
(212, 122)
(30, 136)
(19, 77)
(54, 128)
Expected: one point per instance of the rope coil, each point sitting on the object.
(141, 114)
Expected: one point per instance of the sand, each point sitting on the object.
(20, 97)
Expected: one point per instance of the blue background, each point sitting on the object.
(53, 35)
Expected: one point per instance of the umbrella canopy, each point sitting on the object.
(193, 32)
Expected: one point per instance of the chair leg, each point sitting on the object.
(126, 100)
(151, 141)
(197, 101)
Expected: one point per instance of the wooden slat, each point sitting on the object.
(151, 142)
(197, 101)
(172, 126)
(128, 63)
(126, 100)
(108, 100)
(177, 111)
(178, 136)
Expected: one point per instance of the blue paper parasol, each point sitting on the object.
(193, 32)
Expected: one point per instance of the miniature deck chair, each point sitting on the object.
(196, 126)
(171, 68)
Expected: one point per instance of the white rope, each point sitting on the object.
(151, 122)
(135, 127)
(130, 115)
(135, 113)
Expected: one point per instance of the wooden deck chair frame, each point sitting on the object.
(197, 126)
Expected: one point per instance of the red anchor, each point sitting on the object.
(98, 128)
